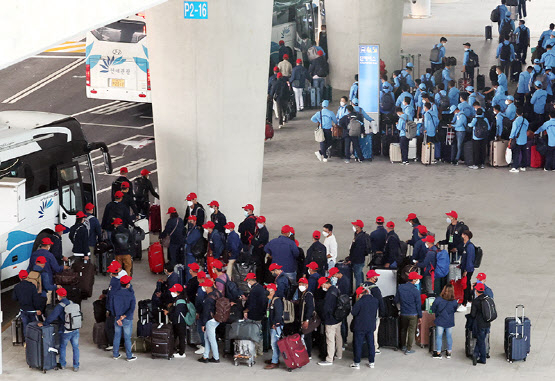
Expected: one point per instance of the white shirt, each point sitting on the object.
(331, 247)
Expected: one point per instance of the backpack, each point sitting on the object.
(434, 53)
(73, 317)
(288, 311)
(495, 15)
(411, 129)
(543, 79)
(200, 247)
(368, 243)
(442, 264)
(320, 258)
(323, 69)
(478, 254)
(312, 53)
(223, 309)
(473, 60)
(506, 30)
(444, 102)
(139, 187)
(428, 82)
(190, 316)
(523, 37)
(505, 53)
(87, 223)
(480, 99)
(121, 239)
(387, 102)
(35, 278)
(354, 126)
(481, 128)
(343, 308)
(402, 80)
(489, 312)
(438, 76)
(232, 291)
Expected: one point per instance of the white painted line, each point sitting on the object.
(116, 125)
(146, 117)
(94, 108)
(115, 108)
(45, 56)
(43, 82)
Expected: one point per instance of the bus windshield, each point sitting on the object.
(121, 31)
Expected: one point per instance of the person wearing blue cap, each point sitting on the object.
(480, 129)
(428, 79)
(538, 100)
(503, 11)
(545, 36)
(465, 107)
(471, 95)
(550, 81)
(470, 61)
(446, 76)
(387, 101)
(523, 86)
(404, 142)
(537, 68)
(431, 124)
(549, 127)
(499, 97)
(501, 121)
(502, 78)
(507, 26)
(342, 110)
(453, 93)
(506, 55)
(510, 110)
(522, 41)
(459, 122)
(550, 41)
(326, 119)
(408, 110)
(518, 141)
(407, 74)
(422, 91)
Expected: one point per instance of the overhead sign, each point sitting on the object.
(369, 79)
(195, 9)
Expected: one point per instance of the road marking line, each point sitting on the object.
(67, 47)
(115, 108)
(94, 108)
(116, 125)
(43, 82)
(45, 56)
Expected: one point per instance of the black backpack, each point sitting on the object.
(505, 53)
(232, 291)
(343, 308)
(200, 247)
(320, 258)
(444, 102)
(489, 312)
(478, 255)
(473, 60)
(323, 69)
(495, 15)
(139, 187)
(481, 128)
(388, 103)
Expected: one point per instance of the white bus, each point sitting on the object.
(117, 61)
(46, 177)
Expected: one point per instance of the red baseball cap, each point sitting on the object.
(299, 61)
(201, 275)
(303, 280)
(271, 286)
(171, 210)
(23, 274)
(481, 276)
(123, 170)
(40, 260)
(261, 220)
(61, 291)
(117, 221)
(286, 56)
(145, 172)
(292, 230)
(281, 42)
(207, 283)
(191, 196)
(126, 279)
(59, 228)
(276, 69)
(118, 194)
(217, 264)
(176, 288)
(380, 220)
(358, 223)
(297, 243)
(390, 224)
(322, 280)
(422, 229)
(411, 216)
(275, 266)
(429, 238)
(285, 229)
(209, 225)
(480, 287)
(414, 275)
(250, 276)
(279, 75)
(453, 214)
(371, 274)
(125, 185)
(194, 266)
(249, 206)
(360, 290)
(214, 203)
(114, 268)
(320, 52)
(229, 225)
(89, 206)
(192, 218)
(46, 241)
(312, 266)
(333, 271)
(80, 214)
(316, 234)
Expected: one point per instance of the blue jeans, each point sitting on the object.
(319, 84)
(480, 348)
(201, 334)
(460, 143)
(275, 335)
(358, 341)
(127, 329)
(72, 337)
(357, 273)
(26, 318)
(439, 338)
(210, 340)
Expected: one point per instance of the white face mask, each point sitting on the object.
(250, 285)
(174, 294)
(354, 229)
(325, 288)
(205, 231)
(227, 231)
(203, 289)
(342, 104)
(506, 102)
(302, 288)
(212, 210)
(260, 226)
(410, 223)
(448, 220)
(333, 280)
(246, 213)
(325, 234)
(189, 203)
(465, 49)
(417, 281)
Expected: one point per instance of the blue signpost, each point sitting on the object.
(369, 80)
(195, 9)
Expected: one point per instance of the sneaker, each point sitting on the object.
(325, 363)
(514, 170)
(61, 367)
(406, 163)
(281, 125)
(109, 348)
(348, 161)
(355, 365)
(212, 359)
(203, 360)
(378, 351)
(318, 155)
(437, 355)
(132, 358)
(117, 357)
(325, 160)
(461, 308)
(177, 355)
(447, 355)
(409, 351)
(404, 349)
(456, 163)
(200, 350)
(473, 167)
(434, 162)
(76, 369)
(482, 166)
(371, 365)
(522, 169)
(545, 169)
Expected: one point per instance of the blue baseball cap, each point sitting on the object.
(355, 101)
(453, 108)
(537, 83)
(536, 61)
(325, 103)
(422, 86)
(386, 85)
(548, 68)
(410, 64)
(469, 88)
(510, 98)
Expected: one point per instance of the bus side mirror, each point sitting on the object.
(105, 154)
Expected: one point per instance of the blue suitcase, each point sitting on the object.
(517, 334)
(41, 351)
(366, 147)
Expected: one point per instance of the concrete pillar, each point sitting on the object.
(209, 83)
(353, 22)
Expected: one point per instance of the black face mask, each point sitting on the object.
(190, 225)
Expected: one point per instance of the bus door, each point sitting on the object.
(70, 187)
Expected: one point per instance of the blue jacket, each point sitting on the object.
(256, 302)
(58, 314)
(401, 124)
(299, 73)
(401, 99)
(408, 297)
(284, 252)
(468, 256)
(79, 236)
(313, 282)
(114, 286)
(548, 126)
(446, 76)
(330, 304)
(283, 284)
(357, 253)
(520, 126)
(441, 53)
(177, 237)
(353, 92)
(467, 109)
(419, 251)
(524, 82)
(233, 244)
(524, 41)
(460, 122)
(487, 291)
(217, 244)
(548, 58)
(499, 123)
(193, 235)
(502, 80)
(56, 248)
(364, 314)
(538, 100)
(510, 111)
(445, 312)
(408, 77)
(343, 285)
(544, 37)
(415, 238)
(503, 10)
(361, 111)
(123, 303)
(341, 112)
(473, 123)
(172, 280)
(377, 239)
(419, 101)
(327, 116)
(52, 265)
(208, 307)
(512, 55)
(429, 260)
(276, 312)
(95, 231)
(431, 122)
(25, 293)
(499, 99)
(454, 96)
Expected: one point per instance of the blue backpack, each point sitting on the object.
(442, 264)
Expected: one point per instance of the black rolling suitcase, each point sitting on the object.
(193, 337)
(40, 350)
(388, 332)
(517, 333)
(163, 344)
(480, 82)
(489, 32)
(468, 153)
(104, 254)
(17, 331)
(377, 144)
(86, 272)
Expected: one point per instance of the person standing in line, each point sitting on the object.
(298, 79)
(95, 231)
(408, 297)
(275, 315)
(444, 308)
(549, 127)
(365, 312)
(479, 141)
(519, 139)
(467, 267)
(480, 327)
(325, 119)
(123, 305)
(334, 340)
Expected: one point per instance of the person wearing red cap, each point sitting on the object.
(194, 208)
(453, 236)
(56, 249)
(308, 313)
(284, 50)
(52, 267)
(177, 313)
(481, 278)
(358, 251)
(216, 216)
(174, 230)
(467, 266)
(365, 313)
(93, 226)
(261, 238)
(208, 323)
(123, 305)
(299, 76)
(232, 246)
(193, 240)
(374, 289)
(420, 249)
(247, 228)
(121, 242)
(128, 197)
(283, 283)
(275, 307)
(30, 302)
(392, 252)
(142, 187)
(318, 71)
(408, 297)
(116, 209)
(281, 94)
(283, 250)
(313, 276)
(334, 340)
(377, 242)
(42, 279)
(220, 277)
(285, 67)
(317, 253)
(256, 305)
(216, 240)
(79, 237)
(429, 264)
(481, 327)
(116, 185)
(415, 223)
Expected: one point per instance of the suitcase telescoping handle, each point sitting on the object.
(516, 314)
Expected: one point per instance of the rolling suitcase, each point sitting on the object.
(99, 335)
(388, 281)
(480, 81)
(312, 97)
(104, 254)
(327, 92)
(156, 258)
(517, 325)
(293, 351)
(66, 278)
(245, 351)
(145, 318)
(180, 270)
(433, 341)
(74, 294)
(245, 330)
(366, 147)
(377, 144)
(163, 344)
(468, 153)
(412, 149)
(536, 159)
(470, 343)
(86, 272)
(193, 337)
(489, 32)
(40, 349)
(306, 99)
(423, 328)
(388, 332)
(347, 271)
(497, 150)
(17, 331)
(154, 219)
(428, 153)
(99, 310)
(269, 131)
(395, 153)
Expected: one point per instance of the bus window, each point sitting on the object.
(121, 31)
(87, 177)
